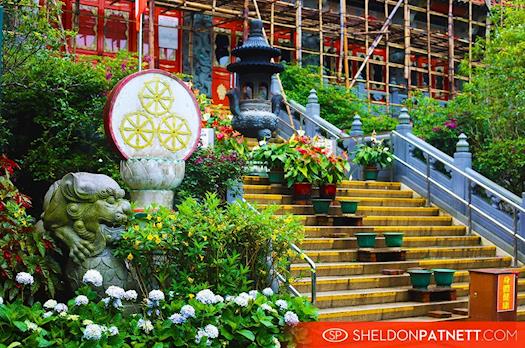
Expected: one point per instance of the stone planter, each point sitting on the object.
(393, 239)
(321, 205)
(366, 239)
(349, 207)
(444, 276)
(420, 278)
(328, 191)
(152, 180)
(370, 173)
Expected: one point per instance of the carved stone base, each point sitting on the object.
(145, 198)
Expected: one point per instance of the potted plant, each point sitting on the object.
(349, 207)
(393, 239)
(444, 276)
(302, 167)
(333, 172)
(420, 278)
(373, 155)
(321, 205)
(273, 156)
(366, 239)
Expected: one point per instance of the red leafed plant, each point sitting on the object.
(22, 247)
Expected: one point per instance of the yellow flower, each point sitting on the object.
(172, 216)
(130, 256)
(185, 243)
(159, 225)
(149, 217)
(191, 296)
(172, 228)
(274, 237)
(150, 237)
(202, 257)
(137, 243)
(136, 227)
(159, 219)
(205, 238)
(190, 233)
(164, 236)
(190, 280)
(157, 239)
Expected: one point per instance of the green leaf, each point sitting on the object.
(248, 334)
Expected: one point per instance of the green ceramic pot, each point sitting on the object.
(366, 239)
(276, 177)
(349, 207)
(444, 276)
(420, 278)
(370, 173)
(321, 205)
(393, 239)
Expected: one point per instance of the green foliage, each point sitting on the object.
(338, 105)
(211, 170)
(254, 320)
(208, 245)
(22, 247)
(373, 153)
(272, 155)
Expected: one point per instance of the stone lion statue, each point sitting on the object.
(84, 212)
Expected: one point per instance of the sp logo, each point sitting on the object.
(335, 335)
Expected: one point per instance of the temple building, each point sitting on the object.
(390, 47)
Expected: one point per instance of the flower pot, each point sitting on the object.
(444, 276)
(370, 173)
(276, 177)
(328, 191)
(321, 205)
(366, 239)
(420, 278)
(349, 207)
(302, 191)
(393, 239)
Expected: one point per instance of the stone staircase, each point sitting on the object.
(357, 291)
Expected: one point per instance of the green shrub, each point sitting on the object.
(206, 244)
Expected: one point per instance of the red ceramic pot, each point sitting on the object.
(302, 191)
(328, 191)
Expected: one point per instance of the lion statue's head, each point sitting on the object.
(80, 208)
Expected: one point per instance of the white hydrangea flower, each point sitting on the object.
(73, 317)
(200, 334)
(205, 296)
(86, 322)
(50, 304)
(106, 301)
(92, 332)
(113, 331)
(145, 325)
(115, 292)
(282, 304)
(242, 300)
(219, 299)
(1, 300)
(187, 311)
(177, 318)
(130, 295)
(81, 300)
(47, 314)
(253, 294)
(63, 314)
(290, 318)
(24, 278)
(93, 277)
(61, 308)
(230, 298)
(267, 307)
(276, 343)
(211, 331)
(267, 292)
(156, 295)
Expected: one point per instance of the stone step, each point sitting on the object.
(362, 210)
(387, 311)
(341, 192)
(356, 268)
(407, 220)
(345, 255)
(410, 231)
(263, 198)
(371, 281)
(351, 242)
(386, 185)
(521, 313)
(428, 319)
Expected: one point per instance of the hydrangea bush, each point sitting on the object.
(253, 319)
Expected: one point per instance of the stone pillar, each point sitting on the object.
(521, 221)
(401, 147)
(462, 160)
(350, 145)
(313, 109)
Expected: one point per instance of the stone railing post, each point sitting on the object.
(462, 160)
(401, 147)
(313, 109)
(521, 220)
(357, 132)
